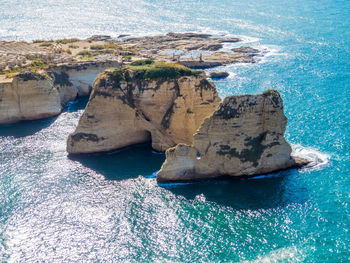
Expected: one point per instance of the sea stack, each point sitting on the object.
(243, 137)
(146, 101)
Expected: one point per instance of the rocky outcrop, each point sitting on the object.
(76, 79)
(28, 96)
(162, 102)
(243, 137)
(31, 95)
(218, 75)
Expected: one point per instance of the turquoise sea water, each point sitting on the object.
(109, 208)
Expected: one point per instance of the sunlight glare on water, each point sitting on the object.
(55, 208)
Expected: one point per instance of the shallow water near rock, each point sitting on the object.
(55, 208)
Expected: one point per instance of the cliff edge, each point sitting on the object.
(243, 137)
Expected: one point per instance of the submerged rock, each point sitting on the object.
(146, 101)
(243, 137)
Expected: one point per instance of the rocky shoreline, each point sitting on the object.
(71, 65)
(178, 110)
(243, 137)
(148, 101)
(148, 89)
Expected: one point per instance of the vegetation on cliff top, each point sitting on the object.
(36, 64)
(149, 69)
(270, 92)
(67, 40)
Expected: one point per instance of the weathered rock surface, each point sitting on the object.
(243, 137)
(80, 76)
(73, 64)
(28, 96)
(126, 109)
(74, 80)
(31, 95)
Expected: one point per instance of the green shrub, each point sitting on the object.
(270, 92)
(117, 75)
(88, 53)
(97, 47)
(39, 63)
(127, 57)
(142, 62)
(67, 40)
(108, 51)
(11, 72)
(148, 69)
(111, 45)
(73, 46)
(37, 41)
(84, 53)
(46, 44)
(87, 58)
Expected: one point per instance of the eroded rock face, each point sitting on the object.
(28, 96)
(76, 79)
(243, 137)
(133, 110)
(32, 95)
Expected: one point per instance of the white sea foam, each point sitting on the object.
(317, 159)
(288, 254)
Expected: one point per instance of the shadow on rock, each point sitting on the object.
(124, 164)
(77, 104)
(28, 128)
(271, 191)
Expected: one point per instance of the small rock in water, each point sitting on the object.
(219, 75)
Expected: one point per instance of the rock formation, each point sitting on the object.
(243, 137)
(147, 101)
(28, 96)
(73, 64)
(76, 79)
(218, 74)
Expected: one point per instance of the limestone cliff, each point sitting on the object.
(161, 102)
(31, 95)
(28, 96)
(76, 79)
(243, 137)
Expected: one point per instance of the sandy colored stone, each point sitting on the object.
(164, 111)
(243, 137)
(79, 77)
(83, 60)
(28, 96)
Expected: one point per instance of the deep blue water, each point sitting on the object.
(109, 207)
